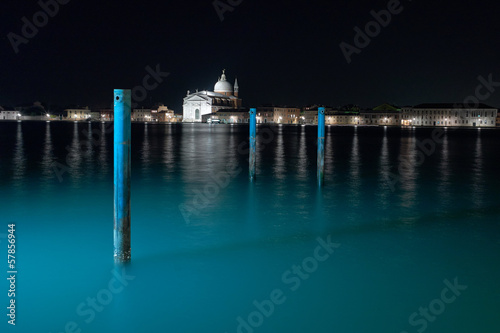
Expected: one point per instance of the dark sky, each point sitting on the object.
(283, 52)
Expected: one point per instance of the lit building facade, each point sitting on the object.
(278, 115)
(9, 115)
(201, 103)
(78, 114)
(227, 116)
(141, 115)
(447, 114)
(165, 115)
(107, 114)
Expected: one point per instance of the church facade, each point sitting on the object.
(200, 103)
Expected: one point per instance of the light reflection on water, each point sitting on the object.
(444, 183)
(477, 186)
(398, 245)
(19, 160)
(408, 170)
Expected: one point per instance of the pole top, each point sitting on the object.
(253, 111)
(321, 110)
(122, 96)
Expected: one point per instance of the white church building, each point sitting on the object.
(205, 102)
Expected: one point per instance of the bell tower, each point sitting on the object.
(236, 87)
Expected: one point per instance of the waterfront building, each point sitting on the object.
(341, 118)
(385, 114)
(141, 114)
(107, 114)
(9, 114)
(228, 116)
(448, 114)
(165, 115)
(200, 103)
(95, 115)
(265, 114)
(277, 114)
(78, 114)
(309, 114)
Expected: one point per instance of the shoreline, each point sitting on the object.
(246, 124)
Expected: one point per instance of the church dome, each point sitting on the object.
(223, 86)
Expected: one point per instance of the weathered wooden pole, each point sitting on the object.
(121, 233)
(253, 131)
(321, 145)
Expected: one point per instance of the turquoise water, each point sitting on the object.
(214, 253)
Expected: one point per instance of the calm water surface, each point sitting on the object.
(210, 249)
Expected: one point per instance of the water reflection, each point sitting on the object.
(303, 162)
(47, 158)
(89, 151)
(444, 172)
(74, 158)
(279, 169)
(478, 184)
(146, 153)
(329, 156)
(384, 167)
(407, 170)
(19, 161)
(103, 151)
(168, 154)
(190, 173)
(354, 193)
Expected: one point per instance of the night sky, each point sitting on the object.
(283, 52)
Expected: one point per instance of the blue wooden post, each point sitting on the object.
(321, 145)
(253, 131)
(121, 233)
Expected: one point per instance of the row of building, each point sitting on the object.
(161, 114)
(443, 114)
(434, 115)
(224, 105)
